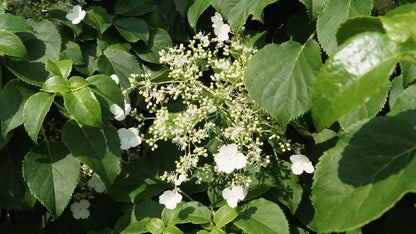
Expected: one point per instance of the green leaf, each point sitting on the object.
(351, 179)
(405, 101)
(155, 226)
(400, 27)
(408, 72)
(34, 112)
(356, 73)
(52, 175)
(333, 15)
(77, 82)
(73, 52)
(83, 107)
(170, 229)
(136, 220)
(98, 148)
(195, 11)
(61, 68)
(224, 215)
(56, 84)
(133, 29)
(132, 7)
(193, 212)
(357, 25)
(90, 53)
(368, 110)
(169, 216)
(14, 23)
(137, 180)
(314, 7)
(280, 78)
(44, 43)
(12, 100)
(159, 39)
(262, 216)
(104, 86)
(236, 12)
(98, 18)
(11, 45)
(124, 64)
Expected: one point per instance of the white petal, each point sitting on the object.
(227, 193)
(100, 187)
(84, 203)
(123, 133)
(116, 109)
(77, 9)
(76, 214)
(74, 207)
(232, 202)
(124, 144)
(84, 214)
(239, 192)
(226, 166)
(115, 78)
(71, 16)
(240, 161)
(297, 168)
(308, 168)
(177, 198)
(170, 205)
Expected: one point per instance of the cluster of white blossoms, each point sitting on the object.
(206, 79)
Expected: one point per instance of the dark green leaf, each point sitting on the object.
(367, 161)
(104, 86)
(368, 110)
(193, 212)
(405, 101)
(357, 25)
(15, 23)
(52, 175)
(90, 53)
(34, 112)
(12, 100)
(314, 7)
(280, 78)
(195, 11)
(159, 39)
(225, 215)
(356, 73)
(61, 68)
(56, 84)
(99, 149)
(98, 18)
(333, 15)
(83, 107)
(262, 216)
(236, 12)
(132, 7)
(72, 51)
(124, 64)
(133, 29)
(11, 45)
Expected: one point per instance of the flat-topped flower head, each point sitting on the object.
(170, 199)
(120, 114)
(228, 159)
(76, 15)
(96, 183)
(233, 194)
(301, 163)
(129, 138)
(80, 209)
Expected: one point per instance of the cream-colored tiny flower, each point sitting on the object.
(115, 78)
(233, 194)
(129, 138)
(170, 199)
(76, 15)
(181, 178)
(80, 209)
(120, 114)
(228, 158)
(96, 183)
(301, 163)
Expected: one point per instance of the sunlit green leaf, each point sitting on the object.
(34, 112)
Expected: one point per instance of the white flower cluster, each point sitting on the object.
(209, 83)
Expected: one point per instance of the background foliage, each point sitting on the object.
(337, 75)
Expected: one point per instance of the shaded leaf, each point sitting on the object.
(98, 18)
(195, 11)
(133, 29)
(159, 40)
(11, 45)
(406, 100)
(52, 175)
(34, 112)
(193, 212)
(225, 215)
(14, 23)
(132, 7)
